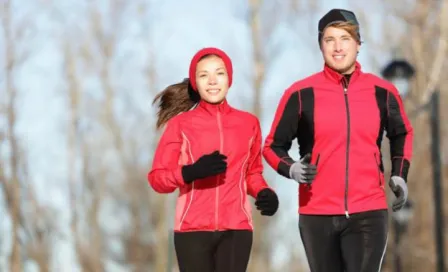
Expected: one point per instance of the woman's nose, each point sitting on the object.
(212, 79)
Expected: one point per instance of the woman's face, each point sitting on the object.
(212, 80)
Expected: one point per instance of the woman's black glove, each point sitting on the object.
(267, 202)
(207, 165)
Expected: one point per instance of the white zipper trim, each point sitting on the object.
(384, 253)
(243, 179)
(218, 117)
(192, 184)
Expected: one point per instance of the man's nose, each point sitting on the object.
(337, 46)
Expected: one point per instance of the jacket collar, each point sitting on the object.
(213, 109)
(337, 77)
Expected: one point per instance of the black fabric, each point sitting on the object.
(285, 132)
(218, 251)
(396, 132)
(205, 166)
(347, 77)
(400, 168)
(334, 16)
(267, 202)
(297, 119)
(381, 101)
(340, 244)
(306, 123)
(392, 122)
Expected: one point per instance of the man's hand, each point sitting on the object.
(303, 171)
(400, 189)
(267, 202)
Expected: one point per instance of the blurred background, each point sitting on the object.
(77, 127)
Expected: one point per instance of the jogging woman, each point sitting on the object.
(211, 153)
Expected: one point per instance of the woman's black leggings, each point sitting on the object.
(207, 251)
(340, 244)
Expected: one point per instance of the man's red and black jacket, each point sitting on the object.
(341, 123)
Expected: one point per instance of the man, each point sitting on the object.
(338, 117)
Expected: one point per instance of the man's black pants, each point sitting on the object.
(340, 244)
(207, 251)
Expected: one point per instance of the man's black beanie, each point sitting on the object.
(335, 16)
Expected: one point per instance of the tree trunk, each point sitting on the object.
(13, 187)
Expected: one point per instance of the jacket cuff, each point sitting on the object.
(283, 169)
(178, 177)
(400, 167)
(261, 189)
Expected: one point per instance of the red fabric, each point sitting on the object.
(219, 202)
(209, 51)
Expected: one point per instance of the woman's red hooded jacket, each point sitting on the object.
(219, 202)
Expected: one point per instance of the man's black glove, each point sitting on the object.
(207, 165)
(267, 202)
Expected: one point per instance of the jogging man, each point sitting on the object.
(338, 117)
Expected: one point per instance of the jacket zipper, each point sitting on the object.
(347, 151)
(218, 117)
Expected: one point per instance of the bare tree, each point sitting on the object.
(75, 151)
(418, 33)
(104, 30)
(259, 60)
(159, 204)
(147, 241)
(130, 191)
(41, 228)
(87, 189)
(260, 253)
(11, 186)
(33, 227)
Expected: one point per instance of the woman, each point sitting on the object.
(339, 116)
(211, 152)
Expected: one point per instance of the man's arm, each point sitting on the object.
(283, 131)
(400, 133)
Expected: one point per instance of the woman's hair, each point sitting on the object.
(174, 99)
(349, 27)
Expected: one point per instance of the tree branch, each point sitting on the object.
(441, 53)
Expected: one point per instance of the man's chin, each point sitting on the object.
(344, 70)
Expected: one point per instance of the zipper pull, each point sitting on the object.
(345, 90)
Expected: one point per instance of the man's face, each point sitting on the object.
(339, 50)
